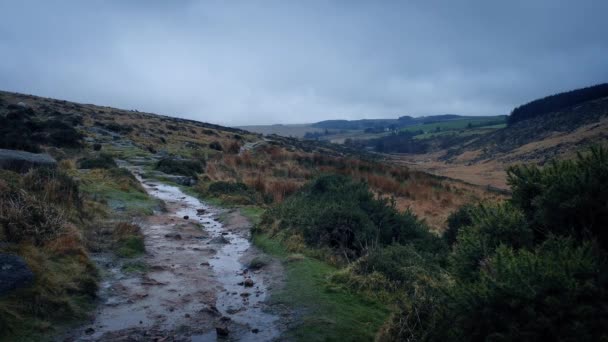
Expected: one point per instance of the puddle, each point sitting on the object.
(192, 272)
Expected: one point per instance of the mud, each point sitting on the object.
(196, 286)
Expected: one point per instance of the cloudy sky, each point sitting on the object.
(260, 62)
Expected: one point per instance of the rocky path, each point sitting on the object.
(196, 287)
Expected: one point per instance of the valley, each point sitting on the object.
(138, 226)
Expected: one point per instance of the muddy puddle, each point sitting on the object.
(196, 286)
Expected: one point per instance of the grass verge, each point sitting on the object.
(324, 312)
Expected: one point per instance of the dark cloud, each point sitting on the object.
(245, 62)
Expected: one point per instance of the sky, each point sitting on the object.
(266, 62)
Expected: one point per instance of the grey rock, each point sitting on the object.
(14, 273)
(21, 161)
(219, 240)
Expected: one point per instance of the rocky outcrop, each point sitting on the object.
(21, 161)
(14, 273)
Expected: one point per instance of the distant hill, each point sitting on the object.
(558, 102)
(556, 126)
(403, 121)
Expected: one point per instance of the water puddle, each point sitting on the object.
(195, 280)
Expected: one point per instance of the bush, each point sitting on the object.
(338, 213)
(565, 197)
(555, 292)
(101, 161)
(24, 218)
(456, 221)
(232, 188)
(174, 166)
(491, 226)
(216, 146)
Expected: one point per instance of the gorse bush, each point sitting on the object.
(342, 215)
(100, 161)
(533, 268)
(182, 167)
(567, 198)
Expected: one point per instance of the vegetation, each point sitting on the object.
(557, 102)
(182, 167)
(39, 217)
(523, 269)
(513, 274)
(100, 161)
(22, 129)
(327, 312)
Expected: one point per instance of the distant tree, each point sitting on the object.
(556, 102)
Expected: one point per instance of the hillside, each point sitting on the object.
(482, 159)
(116, 184)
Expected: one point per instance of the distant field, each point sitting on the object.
(296, 131)
(464, 126)
(493, 122)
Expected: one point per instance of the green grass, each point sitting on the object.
(324, 312)
(452, 125)
(131, 246)
(253, 213)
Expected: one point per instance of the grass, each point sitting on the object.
(121, 194)
(452, 125)
(253, 213)
(323, 312)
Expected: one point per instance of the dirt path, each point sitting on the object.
(196, 288)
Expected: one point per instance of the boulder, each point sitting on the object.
(21, 161)
(14, 273)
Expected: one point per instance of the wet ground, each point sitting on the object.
(196, 286)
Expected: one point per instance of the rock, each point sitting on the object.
(14, 273)
(248, 282)
(204, 263)
(219, 240)
(222, 331)
(21, 161)
(173, 236)
(186, 217)
(201, 211)
(245, 294)
(255, 330)
(89, 331)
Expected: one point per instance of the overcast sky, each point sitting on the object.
(261, 62)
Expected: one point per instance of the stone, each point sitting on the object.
(219, 240)
(14, 273)
(222, 331)
(21, 161)
(186, 217)
(89, 331)
(248, 282)
(173, 236)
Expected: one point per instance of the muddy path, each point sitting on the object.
(196, 286)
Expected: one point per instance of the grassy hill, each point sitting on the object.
(482, 158)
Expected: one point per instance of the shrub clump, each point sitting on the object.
(341, 215)
(101, 161)
(174, 166)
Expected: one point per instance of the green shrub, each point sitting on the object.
(101, 161)
(492, 225)
(403, 265)
(174, 166)
(565, 197)
(338, 213)
(456, 221)
(231, 188)
(556, 292)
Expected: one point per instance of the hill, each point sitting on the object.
(561, 133)
(558, 102)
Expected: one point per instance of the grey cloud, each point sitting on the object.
(248, 62)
